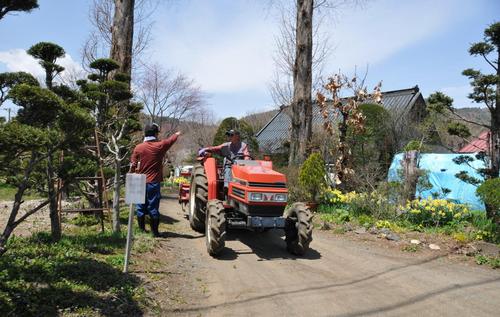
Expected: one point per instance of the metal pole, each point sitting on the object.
(8, 118)
(129, 238)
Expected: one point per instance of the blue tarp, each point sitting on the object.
(441, 171)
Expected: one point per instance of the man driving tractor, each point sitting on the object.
(232, 150)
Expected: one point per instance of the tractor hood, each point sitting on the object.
(257, 172)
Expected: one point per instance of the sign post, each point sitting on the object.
(135, 193)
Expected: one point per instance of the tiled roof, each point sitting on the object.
(480, 144)
(276, 132)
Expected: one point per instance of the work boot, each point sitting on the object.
(141, 220)
(155, 223)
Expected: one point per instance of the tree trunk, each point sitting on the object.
(55, 220)
(121, 51)
(122, 34)
(302, 84)
(48, 79)
(410, 172)
(116, 196)
(18, 198)
(491, 211)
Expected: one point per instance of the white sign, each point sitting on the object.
(135, 189)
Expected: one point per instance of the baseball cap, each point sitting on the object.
(151, 129)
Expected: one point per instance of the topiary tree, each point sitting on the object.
(116, 117)
(247, 133)
(9, 80)
(47, 53)
(22, 147)
(8, 6)
(312, 176)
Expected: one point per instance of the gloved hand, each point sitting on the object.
(202, 152)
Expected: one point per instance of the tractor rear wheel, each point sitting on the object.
(198, 197)
(298, 229)
(215, 231)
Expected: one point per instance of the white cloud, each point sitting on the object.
(16, 60)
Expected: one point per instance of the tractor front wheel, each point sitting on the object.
(298, 229)
(215, 227)
(198, 197)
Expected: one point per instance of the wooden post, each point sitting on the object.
(129, 238)
(410, 170)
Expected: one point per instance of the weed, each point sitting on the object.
(461, 237)
(84, 220)
(410, 248)
(339, 230)
(494, 262)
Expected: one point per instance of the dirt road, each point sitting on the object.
(255, 276)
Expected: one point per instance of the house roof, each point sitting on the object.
(277, 131)
(479, 144)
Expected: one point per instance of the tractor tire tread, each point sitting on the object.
(197, 221)
(216, 212)
(298, 230)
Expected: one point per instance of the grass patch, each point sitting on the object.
(79, 275)
(7, 192)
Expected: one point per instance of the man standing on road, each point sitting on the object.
(147, 158)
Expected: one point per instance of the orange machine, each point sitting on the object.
(184, 187)
(255, 199)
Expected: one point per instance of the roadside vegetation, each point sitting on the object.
(79, 275)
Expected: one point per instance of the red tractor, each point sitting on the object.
(255, 199)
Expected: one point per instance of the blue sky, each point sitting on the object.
(227, 46)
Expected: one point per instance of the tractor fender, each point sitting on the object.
(211, 172)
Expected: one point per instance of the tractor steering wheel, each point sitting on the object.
(238, 156)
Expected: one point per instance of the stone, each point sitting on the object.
(415, 241)
(393, 237)
(373, 230)
(434, 247)
(385, 231)
(325, 226)
(486, 248)
(468, 250)
(360, 230)
(348, 227)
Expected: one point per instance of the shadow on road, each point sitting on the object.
(330, 286)
(418, 298)
(167, 220)
(266, 245)
(169, 234)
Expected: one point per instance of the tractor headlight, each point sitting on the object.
(280, 198)
(256, 197)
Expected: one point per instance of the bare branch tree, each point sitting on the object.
(168, 96)
(101, 14)
(281, 85)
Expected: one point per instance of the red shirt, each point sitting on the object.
(147, 158)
